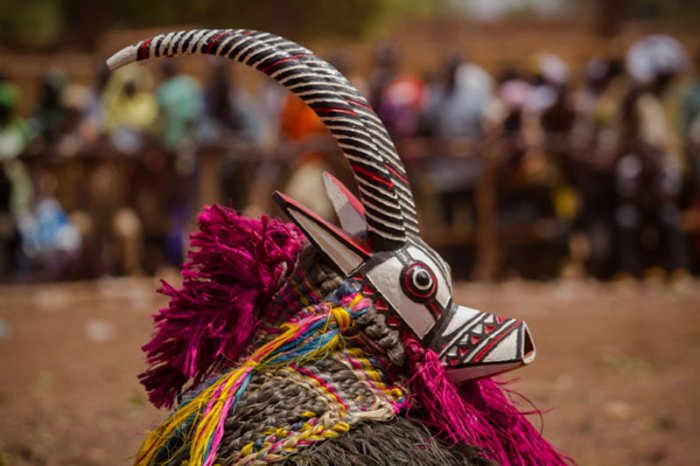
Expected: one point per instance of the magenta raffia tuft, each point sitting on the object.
(236, 264)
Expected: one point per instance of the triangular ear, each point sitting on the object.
(342, 250)
(348, 208)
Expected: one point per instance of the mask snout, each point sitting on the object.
(474, 344)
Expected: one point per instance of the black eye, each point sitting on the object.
(422, 279)
(418, 282)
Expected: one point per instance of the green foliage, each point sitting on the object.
(33, 23)
(612, 13)
(679, 9)
(647, 9)
(46, 23)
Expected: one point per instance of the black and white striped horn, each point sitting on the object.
(379, 173)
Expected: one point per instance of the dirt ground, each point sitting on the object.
(616, 373)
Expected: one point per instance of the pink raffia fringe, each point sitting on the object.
(236, 264)
(476, 413)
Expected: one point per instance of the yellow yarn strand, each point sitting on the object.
(157, 438)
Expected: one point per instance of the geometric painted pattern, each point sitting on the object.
(479, 339)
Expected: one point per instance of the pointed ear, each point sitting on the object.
(348, 208)
(346, 253)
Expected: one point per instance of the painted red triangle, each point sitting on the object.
(488, 328)
(474, 339)
(394, 322)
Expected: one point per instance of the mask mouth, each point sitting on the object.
(475, 344)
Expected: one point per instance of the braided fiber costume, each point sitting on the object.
(309, 343)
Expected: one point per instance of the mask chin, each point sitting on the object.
(475, 344)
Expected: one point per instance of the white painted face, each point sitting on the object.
(416, 284)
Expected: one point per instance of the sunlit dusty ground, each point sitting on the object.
(617, 370)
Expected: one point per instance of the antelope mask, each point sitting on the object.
(378, 247)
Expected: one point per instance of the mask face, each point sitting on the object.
(378, 245)
(412, 285)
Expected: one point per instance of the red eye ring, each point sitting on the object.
(418, 282)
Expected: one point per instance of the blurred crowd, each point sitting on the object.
(592, 171)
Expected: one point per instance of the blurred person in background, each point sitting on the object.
(548, 74)
(130, 109)
(50, 241)
(62, 130)
(594, 141)
(382, 73)
(180, 104)
(131, 201)
(229, 113)
(397, 98)
(549, 119)
(456, 103)
(344, 62)
(307, 139)
(77, 130)
(523, 179)
(78, 149)
(94, 123)
(648, 169)
(231, 126)
(557, 124)
(524, 195)
(13, 128)
(691, 141)
(50, 115)
(455, 106)
(15, 184)
(690, 119)
(508, 122)
(401, 104)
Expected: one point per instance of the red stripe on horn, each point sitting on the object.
(283, 60)
(142, 54)
(359, 104)
(360, 170)
(216, 40)
(396, 174)
(334, 110)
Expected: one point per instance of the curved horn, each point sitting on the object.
(381, 181)
(381, 138)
